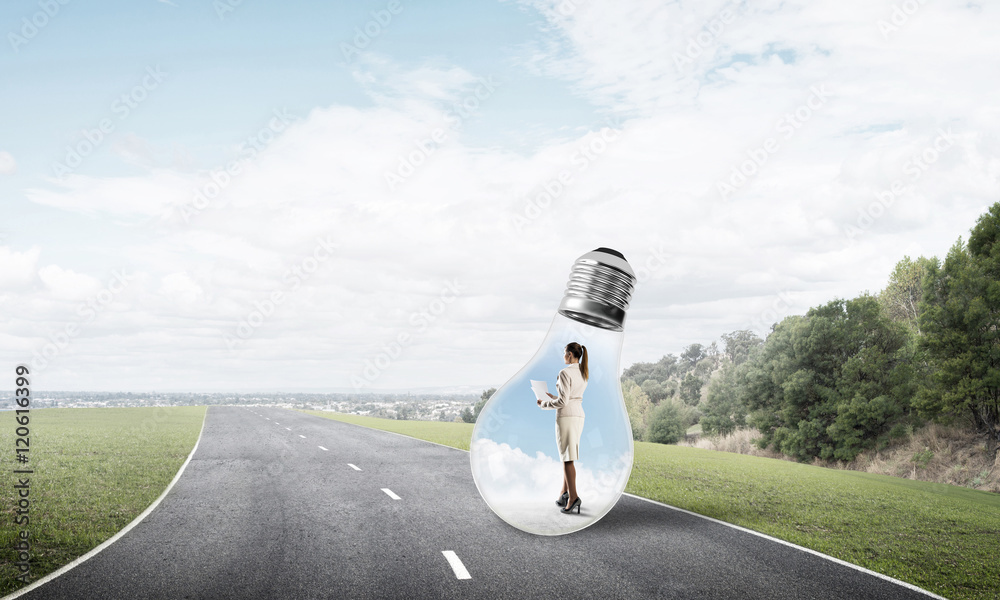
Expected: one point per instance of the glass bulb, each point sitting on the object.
(514, 452)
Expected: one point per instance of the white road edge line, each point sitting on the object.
(79, 560)
(797, 547)
(322, 448)
(750, 531)
(391, 495)
(456, 564)
(353, 467)
(288, 428)
(302, 436)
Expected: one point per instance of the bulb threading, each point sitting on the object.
(599, 289)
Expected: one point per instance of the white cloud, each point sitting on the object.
(18, 269)
(653, 189)
(67, 284)
(181, 287)
(389, 84)
(140, 196)
(8, 166)
(522, 489)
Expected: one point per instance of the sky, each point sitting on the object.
(247, 195)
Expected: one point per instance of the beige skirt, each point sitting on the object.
(568, 432)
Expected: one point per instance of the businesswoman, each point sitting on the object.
(569, 419)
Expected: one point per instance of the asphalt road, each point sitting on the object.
(263, 511)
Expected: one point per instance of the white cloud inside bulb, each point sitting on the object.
(508, 476)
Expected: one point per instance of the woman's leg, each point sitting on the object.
(565, 485)
(569, 472)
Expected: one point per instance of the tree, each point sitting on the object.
(712, 353)
(666, 424)
(654, 390)
(661, 370)
(467, 416)
(706, 367)
(739, 344)
(404, 411)
(666, 367)
(638, 405)
(832, 383)
(691, 390)
(961, 325)
(692, 354)
(483, 398)
(725, 408)
(902, 295)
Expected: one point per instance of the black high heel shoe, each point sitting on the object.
(563, 499)
(577, 504)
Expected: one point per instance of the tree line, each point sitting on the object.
(849, 375)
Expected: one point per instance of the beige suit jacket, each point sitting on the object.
(570, 386)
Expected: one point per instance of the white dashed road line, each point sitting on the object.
(456, 565)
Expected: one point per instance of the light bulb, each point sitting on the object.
(514, 451)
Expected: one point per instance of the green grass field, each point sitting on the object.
(95, 469)
(456, 435)
(943, 538)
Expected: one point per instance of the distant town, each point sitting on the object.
(421, 407)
